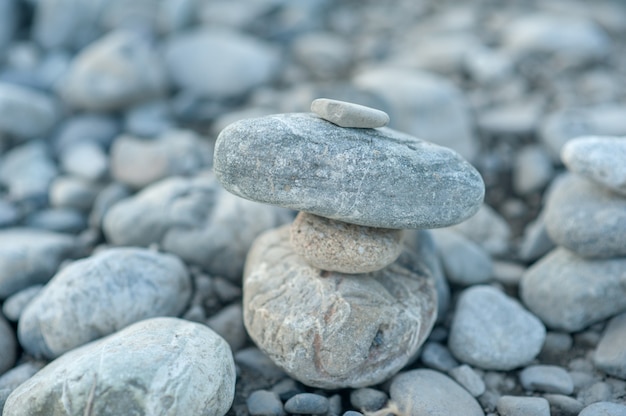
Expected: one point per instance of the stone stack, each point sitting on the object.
(337, 299)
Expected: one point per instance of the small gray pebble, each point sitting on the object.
(345, 114)
(438, 357)
(368, 399)
(536, 241)
(228, 323)
(264, 403)
(523, 406)
(253, 359)
(88, 128)
(9, 214)
(287, 388)
(488, 229)
(465, 262)
(17, 375)
(610, 355)
(597, 392)
(26, 112)
(63, 220)
(86, 160)
(27, 171)
(73, 192)
(148, 119)
(335, 406)
(8, 345)
(507, 272)
(112, 193)
(547, 379)
(561, 405)
(352, 413)
(532, 170)
(307, 403)
(14, 305)
(556, 345)
(467, 377)
(604, 409)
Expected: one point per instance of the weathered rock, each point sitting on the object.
(346, 248)
(99, 295)
(139, 370)
(610, 355)
(346, 114)
(372, 177)
(26, 113)
(570, 293)
(586, 218)
(334, 330)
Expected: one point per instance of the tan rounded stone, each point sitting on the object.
(347, 248)
(333, 330)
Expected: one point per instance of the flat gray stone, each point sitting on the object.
(493, 331)
(610, 355)
(29, 257)
(86, 160)
(345, 114)
(546, 379)
(566, 293)
(428, 392)
(373, 177)
(600, 159)
(26, 113)
(604, 409)
(138, 370)
(523, 406)
(334, 330)
(96, 296)
(585, 218)
(341, 247)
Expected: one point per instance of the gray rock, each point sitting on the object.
(108, 196)
(287, 388)
(96, 296)
(149, 119)
(9, 19)
(428, 392)
(377, 178)
(564, 290)
(386, 315)
(464, 262)
(493, 331)
(68, 24)
(8, 345)
(228, 323)
(556, 346)
(546, 379)
(536, 241)
(29, 257)
(604, 409)
(596, 392)
(523, 406)
(488, 66)
(62, 220)
(138, 163)
(345, 114)
(219, 63)
(325, 55)
(507, 272)
(9, 214)
(86, 160)
(585, 218)
(86, 128)
(195, 219)
(139, 370)
(352, 413)
(307, 403)
(114, 72)
(424, 105)
(346, 248)
(610, 355)
(253, 360)
(25, 112)
(488, 229)
(17, 375)
(437, 356)
(264, 403)
(368, 399)
(15, 304)
(599, 159)
(561, 405)
(72, 192)
(519, 118)
(468, 379)
(532, 170)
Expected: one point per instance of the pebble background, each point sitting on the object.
(118, 245)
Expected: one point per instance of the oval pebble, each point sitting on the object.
(523, 406)
(8, 345)
(345, 114)
(138, 370)
(99, 295)
(264, 403)
(610, 354)
(546, 379)
(307, 403)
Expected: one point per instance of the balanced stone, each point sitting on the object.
(333, 330)
(373, 177)
(156, 366)
(347, 248)
(346, 114)
(600, 159)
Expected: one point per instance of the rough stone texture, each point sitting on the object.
(156, 366)
(99, 295)
(523, 406)
(333, 330)
(570, 293)
(427, 392)
(346, 248)
(29, 256)
(195, 219)
(585, 218)
(547, 379)
(8, 345)
(493, 331)
(138, 163)
(114, 72)
(346, 114)
(372, 177)
(604, 409)
(600, 159)
(464, 262)
(488, 229)
(26, 113)
(610, 355)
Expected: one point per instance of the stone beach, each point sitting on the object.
(325, 208)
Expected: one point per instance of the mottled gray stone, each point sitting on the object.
(493, 331)
(600, 159)
(464, 262)
(27, 171)
(546, 379)
(346, 248)
(29, 257)
(334, 330)
(195, 219)
(610, 355)
(26, 113)
(604, 409)
(468, 379)
(307, 403)
(264, 403)
(488, 229)
(101, 294)
(138, 370)
(566, 293)
(8, 345)
(523, 406)
(9, 214)
(244, 62)
(345, 114)
(428, 392)
(368, 399)
(138, 163)
(585, 218)
(15, 304)
(114, 72)
(372, 177)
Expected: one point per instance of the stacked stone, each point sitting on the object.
(336, 298)
(583, 280)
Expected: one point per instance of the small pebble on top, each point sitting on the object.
(346, 114)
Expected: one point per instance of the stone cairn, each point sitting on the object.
(337, 299)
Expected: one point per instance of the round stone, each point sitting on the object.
(346, 114)
(341, 247)
(373, 177)
(333, 330)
